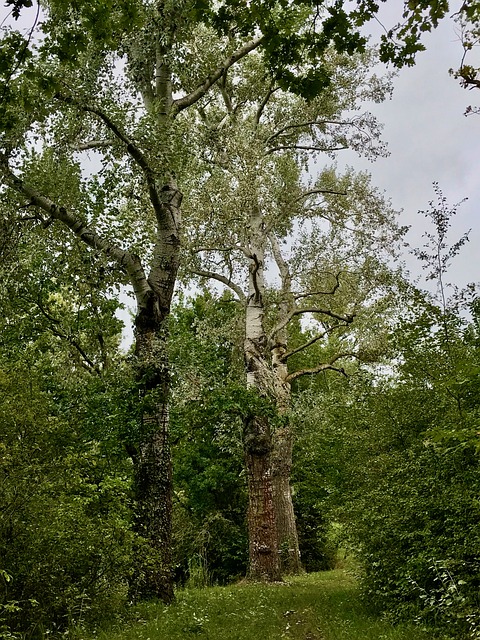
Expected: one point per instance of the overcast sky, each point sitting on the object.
(430, 139)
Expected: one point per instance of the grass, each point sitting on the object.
(322, 606)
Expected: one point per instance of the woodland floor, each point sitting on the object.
(320, 606)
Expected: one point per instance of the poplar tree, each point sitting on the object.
(292, 249)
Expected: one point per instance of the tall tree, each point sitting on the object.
(256, 139)
(118, 79)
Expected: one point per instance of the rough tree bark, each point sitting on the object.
(282, 451)
(263, 544)
(283, 437)
(152, 459)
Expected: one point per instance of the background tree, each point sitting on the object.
(409, 456)
(207, 407)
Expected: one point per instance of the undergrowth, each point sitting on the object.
(321, 606)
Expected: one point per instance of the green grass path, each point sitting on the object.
(322, 606)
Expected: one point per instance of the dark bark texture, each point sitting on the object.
(263, 547)
(287, 536)
(153, 575)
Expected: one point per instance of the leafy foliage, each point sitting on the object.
(64, 528)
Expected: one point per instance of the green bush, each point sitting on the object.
(65, 536)
(412, 510)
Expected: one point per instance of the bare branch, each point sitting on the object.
(182, 103)
(328, 366)
(223, 279)
(296, 312)
(309, 343)
(298, 147)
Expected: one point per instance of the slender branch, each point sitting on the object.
(223, 279)
(103, 349)
(264, 103)
(281, 263)
(312, 192)
(235, 247)
(223, 90)
(309, 123)
(309, 343)
(299, 296)
(132, 149)
(304, 148)
(182, 103)
(91, 144)
(211, 249)
(326, 312)
(90, 365)
(322, 367)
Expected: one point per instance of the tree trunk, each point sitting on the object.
(283, 504)
(263, 546)
(282, 441)
(153, 576)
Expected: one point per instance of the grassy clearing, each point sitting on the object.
(322, 606)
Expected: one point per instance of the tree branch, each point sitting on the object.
(88, 363)
(91, 144)
(126, 260)
(308, 123)
(132, 149)
(298, 296)
(182, 103)
(223, 90)
(322, 367)
(326, 312)
(312, 192)
(264, 103)
(300, 147)
(223, 279)
(309, 343)
(281, 263)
